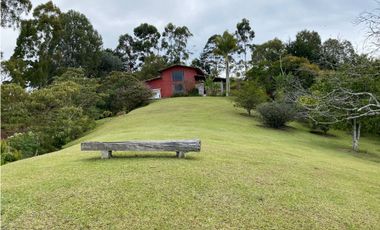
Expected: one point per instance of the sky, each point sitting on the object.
(268, 18)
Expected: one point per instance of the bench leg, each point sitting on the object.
(180, 154)
(106, 154)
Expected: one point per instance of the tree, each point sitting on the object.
(11, 11)
(226, 45)
(15, 116)
(268, 52)
(351, 94)
(124, 92)
(52, 40)
(372, 20)
(174, 42)
(80, 44)
(146, 41)
(335, 53)
(151, 66)
(249, 96)
(125, 50)
(307, 45)
(208, 60)
(109, 62)
(245, 35)
(37, 44)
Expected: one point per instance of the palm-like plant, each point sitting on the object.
(226, 45)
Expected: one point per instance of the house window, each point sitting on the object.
(177, 75)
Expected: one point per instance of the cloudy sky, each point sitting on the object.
(269, 19)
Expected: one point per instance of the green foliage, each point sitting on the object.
(276, 114)
(87, 96)
(109, 62)
(8, 154)
(26, 143)
(211, 87)
(11, 11)
(125, 92)
(249, 96)
(307, 45)
(80, 44)
(15, 116)
(146, 41)
(174, 43)
(125, 50)
(151, 66)
(335, 53)
(52, 40)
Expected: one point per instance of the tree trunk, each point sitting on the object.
(355, 135)
(227, 77)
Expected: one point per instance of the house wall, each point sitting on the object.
(166, 84)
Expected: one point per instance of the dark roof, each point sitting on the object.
(199, 71)
(154, 78)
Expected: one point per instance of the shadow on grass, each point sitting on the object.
(140, 156)
(328, 135)
(283, 129)
(363, 154)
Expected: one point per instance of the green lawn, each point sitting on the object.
(246, 176)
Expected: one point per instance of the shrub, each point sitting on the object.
(317, 127)
(26, 143)
(8, 154)
(249, 96)
(125, 92)
(276, 114)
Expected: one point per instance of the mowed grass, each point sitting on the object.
(246, 176)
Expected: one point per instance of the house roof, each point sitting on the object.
(199, 71)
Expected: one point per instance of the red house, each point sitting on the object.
(177, 79)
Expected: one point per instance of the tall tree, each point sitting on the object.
(335, 53)
(226, 45)
(52, 40)
(146, 41)
(307, 45)
(37, 44)
(11, 11)
(125, 50)
(245, 35)
(174, 43)
(80, 44)
(208, 60)
(372, 20)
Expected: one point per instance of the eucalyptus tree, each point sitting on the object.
(245, 35)
(226, 46)
(11, 11)
(125, 50)
(208, 60)
(146, 40)
(174, 43)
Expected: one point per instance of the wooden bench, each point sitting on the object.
(181, 147)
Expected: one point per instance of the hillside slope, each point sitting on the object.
(246, 176)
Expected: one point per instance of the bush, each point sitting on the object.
(317, 127)
(9, 154)
(276, 114)
(125, 92)
(249, 96)
(26, 143)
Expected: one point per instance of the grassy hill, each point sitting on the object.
(246, 176)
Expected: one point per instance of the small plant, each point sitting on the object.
(27, 143)
(9, 154)
(276, 114)
(318, 127)
(249, 96)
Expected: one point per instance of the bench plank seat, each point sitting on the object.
(178, 146)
